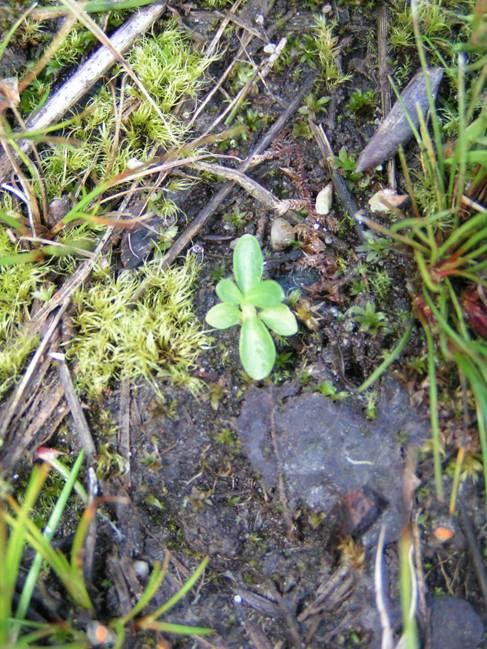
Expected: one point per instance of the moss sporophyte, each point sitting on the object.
(255, 304)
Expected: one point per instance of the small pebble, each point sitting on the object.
(141, 569)
(324, 200)
(99, 635)
(282, 234)
(58, 208)
(133, 163)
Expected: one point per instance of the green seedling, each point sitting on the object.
(362, 102)
(347, 164)
(313, 105)
(370, 320)
(256, 305)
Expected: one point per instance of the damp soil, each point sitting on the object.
(287, 484)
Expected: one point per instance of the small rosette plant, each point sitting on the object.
(255, 304)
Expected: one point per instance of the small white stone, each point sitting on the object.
(141, 569)
(282, 234)
(259, 19)
(324, 200)
(270, 48)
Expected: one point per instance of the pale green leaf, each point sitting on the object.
(266, 294)
(280, 319)
(222, 316)
(477, 157)
(228, 291)
(257, 350)
(248, 263)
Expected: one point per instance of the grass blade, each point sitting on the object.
(388, 360)
(435, 424)
(49, 532)
(172, 601)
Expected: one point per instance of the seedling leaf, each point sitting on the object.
(248, 263)
(228, 292)
(257, 350)
(280, 319)
(266, 294)
(223, 316)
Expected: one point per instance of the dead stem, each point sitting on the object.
(205, 214)
(19, 392)
(251, 186)
(80, 424)
(344, 196)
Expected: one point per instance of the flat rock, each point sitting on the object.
(454, 624)
(331, 456)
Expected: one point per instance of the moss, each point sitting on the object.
(170, 71)
(327, 50)
(437, 19)
(17, 286)
(156, 337)
(216, 4)
(381, 284)
(362, 103)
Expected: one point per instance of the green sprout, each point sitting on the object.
(370, 320)
(347, 163)
(362, 102)
(239, 303)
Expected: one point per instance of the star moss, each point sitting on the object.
(156, 336)
(18, 284)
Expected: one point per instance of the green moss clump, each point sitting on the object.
(216, 4)
(17, 286)
(170, 70)
(327, 49)
(437, 19)
(157, 336)
(168, 67)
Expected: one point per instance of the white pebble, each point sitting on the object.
(324, 200)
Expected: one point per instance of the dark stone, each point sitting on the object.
(359, 509)
(454, 624)
(329, 449)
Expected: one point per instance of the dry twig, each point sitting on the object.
(347, 201)
(19, 392)
(256, 190)
(80, 424)
(205, 214)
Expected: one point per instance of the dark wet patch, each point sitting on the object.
(331, 456)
